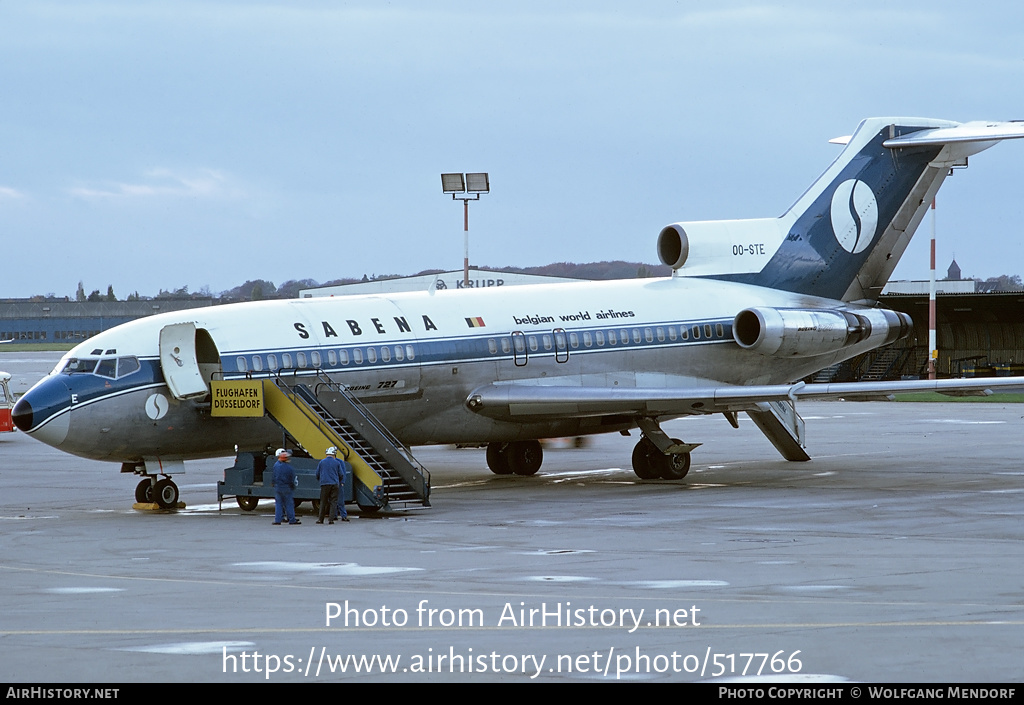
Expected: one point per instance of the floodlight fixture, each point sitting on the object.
(453, 183)
(478, 183)
(475, 184)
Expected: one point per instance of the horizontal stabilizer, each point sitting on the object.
(966, 132)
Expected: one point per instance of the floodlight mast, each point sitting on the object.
(476, 184)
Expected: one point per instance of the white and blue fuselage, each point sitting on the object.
(415, 359)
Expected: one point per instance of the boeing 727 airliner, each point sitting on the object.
(752, 307)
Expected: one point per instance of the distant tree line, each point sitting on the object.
(1005, 282)
(260, 289)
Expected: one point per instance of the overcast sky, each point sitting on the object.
(151, 145)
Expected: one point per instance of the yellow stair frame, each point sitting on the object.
(312, 433)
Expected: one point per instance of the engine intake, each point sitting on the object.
(715, 247)
(809, 332)
(673, 246)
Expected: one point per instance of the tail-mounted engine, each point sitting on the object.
(716, 247)
(783, 332)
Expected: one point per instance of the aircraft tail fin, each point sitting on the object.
(844, 236)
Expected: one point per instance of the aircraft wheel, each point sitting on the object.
(166, 494)
(497, 458)
(645, 458)
(144, 492)
(247, 504)
(525, 457)
(674, 466)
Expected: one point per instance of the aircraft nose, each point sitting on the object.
(44, 411)
(21, 414)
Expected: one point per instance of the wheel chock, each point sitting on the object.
(154, 507)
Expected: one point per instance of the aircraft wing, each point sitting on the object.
(523, 402)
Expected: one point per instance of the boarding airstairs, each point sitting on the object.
(326, 414)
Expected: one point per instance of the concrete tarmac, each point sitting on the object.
(894, 555)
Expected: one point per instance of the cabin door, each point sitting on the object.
(180, 361)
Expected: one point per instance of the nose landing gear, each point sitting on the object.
(166, 493)
(153, 490)
(163, 493)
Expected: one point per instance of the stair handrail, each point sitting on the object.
(295, 399)
(341, 388)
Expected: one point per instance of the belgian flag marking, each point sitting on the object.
(475, 322)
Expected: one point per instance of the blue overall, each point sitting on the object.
(284, 491)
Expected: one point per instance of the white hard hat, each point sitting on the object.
(332, 451)
(281, 451)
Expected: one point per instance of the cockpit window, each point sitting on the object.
(79, 365)
(127, 365)
(107, 368)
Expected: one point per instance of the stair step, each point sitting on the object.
(397, 489)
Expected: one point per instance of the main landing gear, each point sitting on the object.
(656, 456)
(649, 463)
(518, 457)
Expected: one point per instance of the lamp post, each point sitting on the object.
(475, 184)
(933, 348)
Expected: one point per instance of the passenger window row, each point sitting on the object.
(601, 338)
(558, 340)
(342, 357)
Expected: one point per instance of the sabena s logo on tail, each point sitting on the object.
(854, 215)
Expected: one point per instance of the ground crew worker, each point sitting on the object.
(284, 488)
(328, 473)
